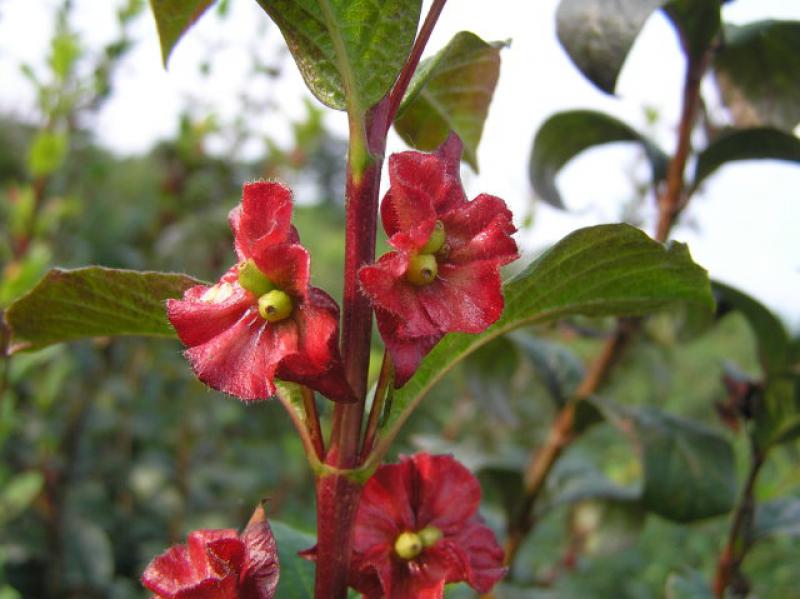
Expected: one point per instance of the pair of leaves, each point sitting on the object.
(566, 134)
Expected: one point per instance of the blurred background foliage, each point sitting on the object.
(111, 450)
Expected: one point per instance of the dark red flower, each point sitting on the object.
(418, 528)
(444, 276)
(262, 320)
(218, 564)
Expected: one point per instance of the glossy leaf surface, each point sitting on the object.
(93, 302)
(451, 91)
(174, 18)
(349, 53)
(566, 134)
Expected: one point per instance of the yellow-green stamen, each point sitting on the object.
(408, 545)
(252, 279)
(422, 270)
(436, 240)
(275, 306)
(429, 536)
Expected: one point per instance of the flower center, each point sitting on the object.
(422, 269)
(410, 544)
(436, 240)
(252, 279)
(275, 306)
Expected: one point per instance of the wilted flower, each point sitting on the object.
(262, 320)
(417, 528)
(444, 276)
(218, 564)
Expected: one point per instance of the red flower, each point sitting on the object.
(218, 564)
(262, 320)
(417, 529)
(444, 276)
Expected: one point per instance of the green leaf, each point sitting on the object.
(174, 18)
(93, 302)
(47, 153)
(598, 34)
(760, 143)
(687, 585)
(560, 370)
(488, 373)
(778, 417)
(89, 561)
(607, 270)
(607, 526)
(566, 134)
(451, 91)
(697, 23)
(297, 575)
(777, 517)
(18, 493)
(349, 53)
(771, 336)
(689, 470)
(758, 73)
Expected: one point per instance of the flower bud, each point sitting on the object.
(252, 279)
(429, 536)
(436, 240)
(422, 270)
(275, 306)
(408, 545)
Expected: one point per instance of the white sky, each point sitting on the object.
(743, 226)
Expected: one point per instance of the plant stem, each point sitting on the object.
(384, 386)
(398, 91)
(312, 421)
(737, 545)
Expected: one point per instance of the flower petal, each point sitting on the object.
(464, 298)
(448, 493)
(241, 360)
(480, 230)
(260, 572)
(385, 509)
(288, 266)
(263, 219)
(197, 321)
(406, 352)
(385, 284)
(484, 555)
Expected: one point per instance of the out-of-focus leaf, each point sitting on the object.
(777, 517)
(566, 134)
(174, 18)
(607, 526)
(760, 143)
(689, 470)
(607, 270)
(297, 575)
(93, 302)
(89, 555)
(687, 585)
(771, 336)
(18, 493)
(758, 73)
(576, 481)
(488, 373)
(598, 34)
(20, 276)
(47, 153)
(778, 417)
(559, 368)
(451, 91)
(349, 53)
(697, 22)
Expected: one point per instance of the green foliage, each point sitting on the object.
(349, 53)
(687, 585)
(598, 34)
(93, 302)
(777, 517)
(18, 494)
(697, 23)
(297, 574)
(759, 143)
(47, 153)
(174, 18)
(599, 271)
(566, 134)
(451, 91)
(758, 74)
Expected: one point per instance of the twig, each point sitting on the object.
(384, 386)
(312, 421)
